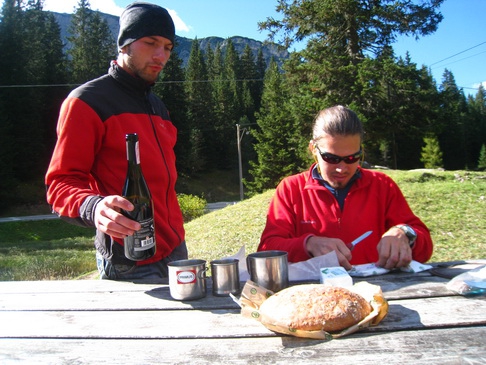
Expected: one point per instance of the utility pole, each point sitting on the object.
(239, 136)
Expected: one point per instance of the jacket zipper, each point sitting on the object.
(151, 107)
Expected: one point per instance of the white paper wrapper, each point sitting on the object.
(299, 271)
(310, 269)
(372, 269)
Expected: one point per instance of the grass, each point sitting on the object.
(451, 203)
(45, 250)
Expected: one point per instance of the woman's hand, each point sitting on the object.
(394, 250)
(317, 246)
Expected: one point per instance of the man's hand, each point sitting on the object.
(318, 246)
(394, 250)
(109, 220)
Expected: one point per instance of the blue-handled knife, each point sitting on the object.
(358, 240)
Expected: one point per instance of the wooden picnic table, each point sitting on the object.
(102, 321)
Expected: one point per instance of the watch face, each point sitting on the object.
(412, 236)
(410, 230)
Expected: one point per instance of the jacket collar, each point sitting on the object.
(127, 80)
(315, 175)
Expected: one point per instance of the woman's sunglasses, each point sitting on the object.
(335, 159)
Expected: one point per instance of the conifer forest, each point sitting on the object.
(220, 97)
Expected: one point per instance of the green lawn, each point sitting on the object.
(452, 204)
(45, 250)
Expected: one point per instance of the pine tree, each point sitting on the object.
(482, 158)
(249, 83)
(431, 153)
(172, 91)
(278, 148)
(212, 65)
(340, 36)
(199, 100)
(31, 59)
(92, 44)
(452, 135)
(260, 68)
(476, 124)
(228, 110)
(12, 57)
(385, 83)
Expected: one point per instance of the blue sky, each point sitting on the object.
(459, 44)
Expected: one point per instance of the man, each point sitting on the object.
(89, 164)
(325, 208)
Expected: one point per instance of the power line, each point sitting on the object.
(462, 59)
(37, 85)
(158, 82)
(457, 54)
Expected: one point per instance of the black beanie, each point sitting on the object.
(141, 19)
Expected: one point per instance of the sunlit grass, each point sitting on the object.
(45, 250)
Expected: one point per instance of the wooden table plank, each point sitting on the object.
(112, 295)
(158, 298)
(129, 324)
(445, 346)
(403, 315)
(401, 285)
(74, 286)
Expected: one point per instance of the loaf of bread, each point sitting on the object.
(314, 307)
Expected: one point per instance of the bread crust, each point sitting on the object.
(315, 307)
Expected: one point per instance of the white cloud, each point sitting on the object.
(476, 86)
(105, 6)
(178, 22)
(68, 6)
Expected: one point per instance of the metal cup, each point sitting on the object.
(187, 279)
(226, 277)
(269, 269)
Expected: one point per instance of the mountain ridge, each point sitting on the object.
(183, 45)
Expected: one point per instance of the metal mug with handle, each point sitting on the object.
(187, 279)
(269, 269)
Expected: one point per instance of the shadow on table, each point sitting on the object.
(162, 292)
(208, 303)
(399, 318)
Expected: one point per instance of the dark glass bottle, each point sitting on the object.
(141, 245)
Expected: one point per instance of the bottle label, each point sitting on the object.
(144, 238)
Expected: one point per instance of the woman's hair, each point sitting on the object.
(336, 121)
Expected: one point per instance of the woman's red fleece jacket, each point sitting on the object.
(302, 206)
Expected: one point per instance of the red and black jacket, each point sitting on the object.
(89, 160)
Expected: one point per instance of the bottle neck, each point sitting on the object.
(133, 153)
